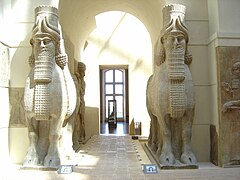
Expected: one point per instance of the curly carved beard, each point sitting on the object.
(42, 78)
(176, 75)
(175, 60)
(43, 67)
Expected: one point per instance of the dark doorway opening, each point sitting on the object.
(114, 117)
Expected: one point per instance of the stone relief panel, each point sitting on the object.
(4, 66)
(77, 120)
(80, 127)
(17, 114)
(229, 84)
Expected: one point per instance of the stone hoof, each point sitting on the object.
(167, 159)
(30, 161)
(188, 158)
(52, 161)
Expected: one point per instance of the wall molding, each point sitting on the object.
(225, 39)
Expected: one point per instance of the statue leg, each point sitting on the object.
(166, 157)
(187, 156)
(82, 127)
(75, 135)
(69, 137)
(153, 138)
(53, 156)
(32, 159)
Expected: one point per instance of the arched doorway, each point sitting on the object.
(120, 42)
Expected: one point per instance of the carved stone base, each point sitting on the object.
(40, 168)
(233, 163)
(77, 147)
(177, 165)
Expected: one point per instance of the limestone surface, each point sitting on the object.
(50, 93)
(170, 96)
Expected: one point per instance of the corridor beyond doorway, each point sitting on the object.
(121, 129)
(114, 100)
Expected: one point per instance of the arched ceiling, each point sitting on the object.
(77, 17)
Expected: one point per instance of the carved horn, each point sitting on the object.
(46, 27)
(182, 27)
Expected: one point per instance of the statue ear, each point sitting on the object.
(57, 48)
(61, 60)
(31, 59)
(188, 57)
(31, 41)
(159, 53)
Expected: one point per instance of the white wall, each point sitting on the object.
(224, 22)
(229, 16)
(213, 16)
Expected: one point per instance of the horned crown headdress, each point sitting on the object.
(46, 22)
(174, 20)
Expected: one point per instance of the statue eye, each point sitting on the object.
(46, 41)
(170, 39)
(36, 42)
(180, 38)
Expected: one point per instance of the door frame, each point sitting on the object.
(101, 82)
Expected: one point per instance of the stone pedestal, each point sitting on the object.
(177, 165)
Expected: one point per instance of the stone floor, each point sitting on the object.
(119, 158)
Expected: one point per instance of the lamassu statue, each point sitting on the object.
(170, 97)
(50, 94)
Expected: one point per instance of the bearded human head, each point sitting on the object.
(81, 69)
(236, 68)
(173, 24)
(47, 28)
(46, 24)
